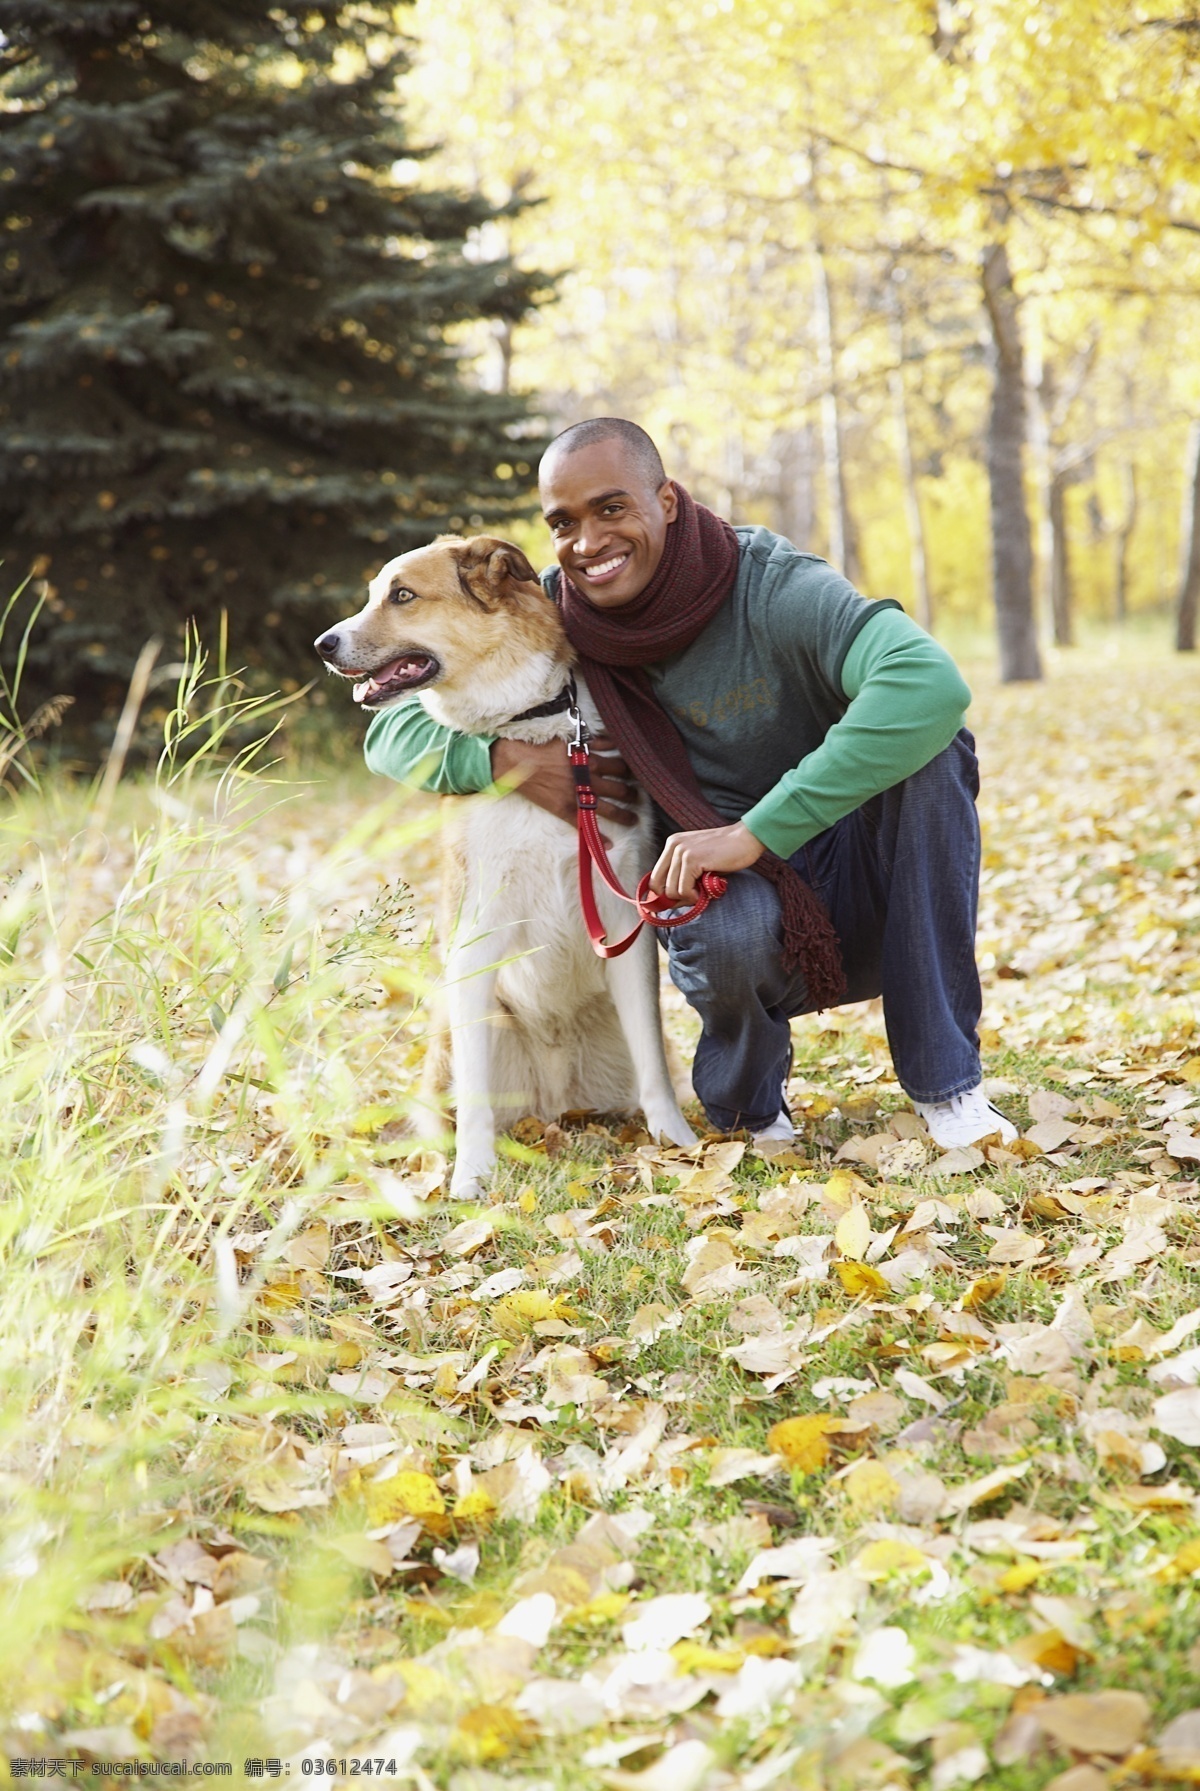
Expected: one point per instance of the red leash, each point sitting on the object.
(656, 910)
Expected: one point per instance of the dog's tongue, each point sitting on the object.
(398, 673)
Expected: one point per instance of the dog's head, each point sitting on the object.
(436, 615)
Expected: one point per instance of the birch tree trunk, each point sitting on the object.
(1122, 541)
(1188, 600)
(843, 542)
(922, 597)
(1012, 546)
(1060, 562)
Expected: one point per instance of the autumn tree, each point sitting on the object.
(228, 316)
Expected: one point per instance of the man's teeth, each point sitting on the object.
(605, 566)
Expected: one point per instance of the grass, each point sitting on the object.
(259, 1407)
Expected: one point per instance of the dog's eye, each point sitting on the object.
(399, 594)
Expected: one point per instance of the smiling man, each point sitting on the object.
(793, 735)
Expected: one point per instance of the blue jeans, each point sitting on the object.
(900, 880)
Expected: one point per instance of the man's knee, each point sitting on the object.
(953, 772)
(733, 947)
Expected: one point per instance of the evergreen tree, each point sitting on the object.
(228, 378)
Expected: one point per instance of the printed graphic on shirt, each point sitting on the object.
(742, 699)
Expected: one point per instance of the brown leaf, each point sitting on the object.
(1107, 1722)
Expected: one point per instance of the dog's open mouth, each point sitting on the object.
(409, 672)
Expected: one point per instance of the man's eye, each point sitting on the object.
(401, 595)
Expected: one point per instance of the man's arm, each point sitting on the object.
(405, 743)
(907, 702)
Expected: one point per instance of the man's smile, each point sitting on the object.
(604, 570)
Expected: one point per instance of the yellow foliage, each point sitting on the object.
(861, 1281)
(803, 1442)
(515, 1315)
(888, 1556)
(406, 1494)
(870, 1487)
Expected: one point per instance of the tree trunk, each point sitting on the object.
(795, 507)
(1188, 600)
(843, 543)
(1060, 562)
(1122, 542)
(1012, 546)
(922, 597)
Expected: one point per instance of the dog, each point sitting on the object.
(537, 1022)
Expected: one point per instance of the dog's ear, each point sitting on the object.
(487, 565)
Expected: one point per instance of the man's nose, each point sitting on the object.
(591, 538)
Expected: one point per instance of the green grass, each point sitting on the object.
(212, 989)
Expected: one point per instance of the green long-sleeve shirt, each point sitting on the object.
(797, 703)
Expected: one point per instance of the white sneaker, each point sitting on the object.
(964, 1119)
(780, 1131)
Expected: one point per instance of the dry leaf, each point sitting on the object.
(861, 1281)
(803, 1442)
(1178, 1415)
(852, 1234)
(1106, 1722)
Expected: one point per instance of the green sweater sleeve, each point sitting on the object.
(406, 744)
(907, 702)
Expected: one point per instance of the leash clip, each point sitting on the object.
(579, 740)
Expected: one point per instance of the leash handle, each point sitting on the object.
(654, 910)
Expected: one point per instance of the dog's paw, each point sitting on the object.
(670, 1123)
(470, 1181)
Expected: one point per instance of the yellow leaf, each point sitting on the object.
(491, 1732)
(860, 1280)
(515, 1315)
(887, 1556)
(870, 1487)
(852, 1234)
(844, 1189)
(361, 1551)
(527, 1200)
(425, 1688)
(694, 1657)
(1016, 1579)
(802, 1442)
(606, 1607)
(1186, 1561)
(984, 1289)
(1189, 1071)
(406, 1494)
(476, 1507)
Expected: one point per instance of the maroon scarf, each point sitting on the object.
(691, 582)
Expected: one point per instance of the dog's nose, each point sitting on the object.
(328, 644)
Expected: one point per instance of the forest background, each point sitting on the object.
(850, 262)
(853, 1467)
(914, 284)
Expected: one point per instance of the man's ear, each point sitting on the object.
(668, 497)
(487, 566)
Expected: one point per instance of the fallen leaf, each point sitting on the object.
(1178, 1415)
(1106, 1722)
(661, 1622)
(861, 1281)
(803, 1442)
(405, 1494)
(852, 1234)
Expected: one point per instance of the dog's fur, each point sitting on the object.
(538, 1024)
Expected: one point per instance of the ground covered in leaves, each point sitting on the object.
(852, 1466)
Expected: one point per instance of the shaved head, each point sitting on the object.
(635, 443)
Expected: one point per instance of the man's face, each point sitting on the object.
(608, 524)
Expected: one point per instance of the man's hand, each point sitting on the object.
(543, 776)
(686, 855)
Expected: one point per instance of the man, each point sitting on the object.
(796, 737)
